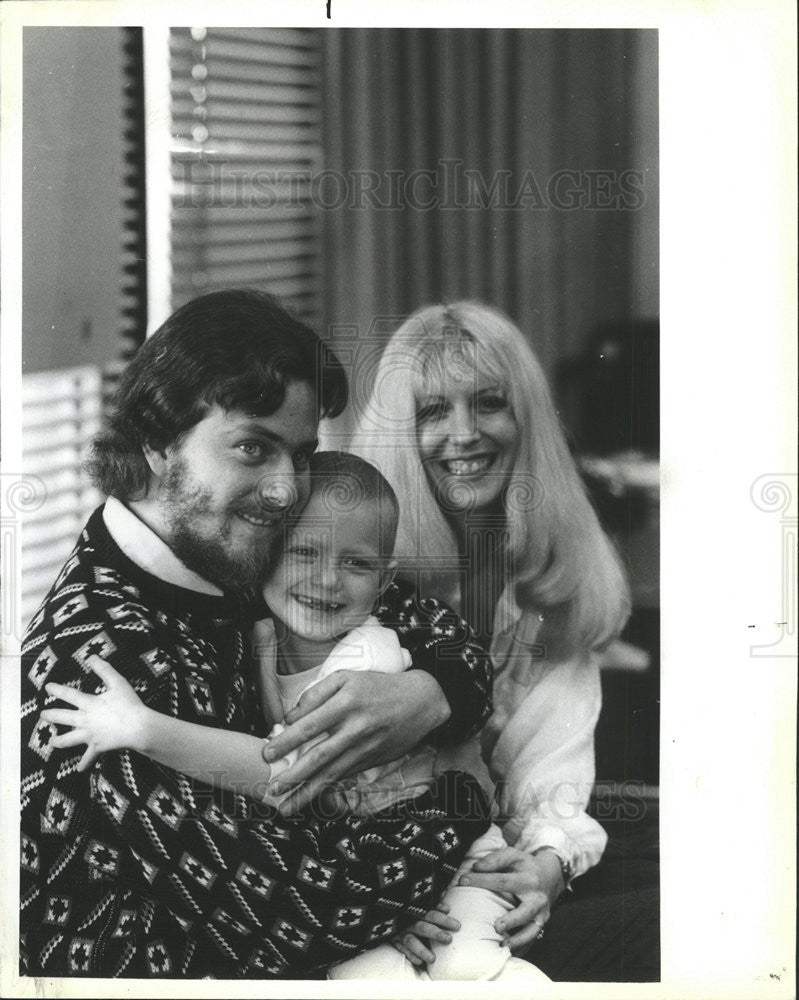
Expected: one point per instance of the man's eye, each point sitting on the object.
(302, 458)
(251, 449)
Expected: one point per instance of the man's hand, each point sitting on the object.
(369, 718)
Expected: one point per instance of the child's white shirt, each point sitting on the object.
(476, 951)
(370, 646)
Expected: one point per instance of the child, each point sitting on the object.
(336, 564)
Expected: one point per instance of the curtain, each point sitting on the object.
(518, 179)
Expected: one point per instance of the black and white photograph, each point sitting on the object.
(336, 627)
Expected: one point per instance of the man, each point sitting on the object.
(131, 870)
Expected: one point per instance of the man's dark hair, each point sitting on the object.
(345, 481)
(236, 349)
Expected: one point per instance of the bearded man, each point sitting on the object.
(131, 869)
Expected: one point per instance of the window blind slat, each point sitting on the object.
(257, 271)
(304, 115)
(271, 131)
(219, 94)
(245, 216)
(252, 252)
(231, 234)
(43, 414)
(301, 293)
(284, 37)
(255, 53)
(297, 37)
(227, 156)
(220, 69)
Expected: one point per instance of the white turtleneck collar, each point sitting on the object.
(142, 546)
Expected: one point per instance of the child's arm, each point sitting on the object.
(118, 718)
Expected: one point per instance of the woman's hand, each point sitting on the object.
(435, 925)
(369, 718)
(536, 881)
(110, 720)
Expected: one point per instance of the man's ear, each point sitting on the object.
(388, 573)
(155, 459)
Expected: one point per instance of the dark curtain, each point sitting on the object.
(557, 121)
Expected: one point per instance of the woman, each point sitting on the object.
(498, 525)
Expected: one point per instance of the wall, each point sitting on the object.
(72, 196)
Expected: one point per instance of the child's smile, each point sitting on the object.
(329, 607)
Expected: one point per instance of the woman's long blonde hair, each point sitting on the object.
(564, 566)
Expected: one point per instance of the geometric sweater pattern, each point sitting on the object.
(132, 869)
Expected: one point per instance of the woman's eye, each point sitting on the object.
(302, 459)
(492, 402)
(431, 411)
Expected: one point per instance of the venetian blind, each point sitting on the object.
(60, 415)
(246, 144)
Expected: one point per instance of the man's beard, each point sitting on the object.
(209, 555)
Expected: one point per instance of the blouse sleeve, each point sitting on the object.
(543, 759)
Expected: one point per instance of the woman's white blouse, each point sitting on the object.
(539, 743)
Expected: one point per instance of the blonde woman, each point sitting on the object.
(494, 520)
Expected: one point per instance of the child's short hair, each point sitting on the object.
(345, 481)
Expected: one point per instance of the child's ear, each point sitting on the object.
(387, 575)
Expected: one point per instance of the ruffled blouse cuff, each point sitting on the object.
(579, 857)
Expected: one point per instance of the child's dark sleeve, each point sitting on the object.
(443, 644)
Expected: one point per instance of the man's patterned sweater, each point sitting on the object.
(132, 869)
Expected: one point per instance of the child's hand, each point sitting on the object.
(108, 721)
(434, 926)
